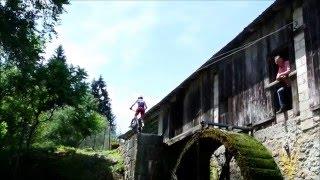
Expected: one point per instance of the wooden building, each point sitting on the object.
(236, 90)
(237, 86)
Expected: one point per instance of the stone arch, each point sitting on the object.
(254, 160)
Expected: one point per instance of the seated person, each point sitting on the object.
(283, 78)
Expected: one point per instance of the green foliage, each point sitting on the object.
(103, 139)
(24, 90)
(99, 91)
(3, 129)
(25, 26)
(51, 86)
(70, 125)
(42, 102)
(66, 163)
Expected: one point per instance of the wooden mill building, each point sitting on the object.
(236, 90)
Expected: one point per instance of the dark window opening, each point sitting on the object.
(176, 117)
(286, 53)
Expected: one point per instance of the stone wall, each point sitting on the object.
(149, 154)
(129, 152)
(142, 153)
(295, 147)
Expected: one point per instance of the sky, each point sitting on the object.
(147, 47)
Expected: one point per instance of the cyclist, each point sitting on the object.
(142, 106)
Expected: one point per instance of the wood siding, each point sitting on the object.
(243, 76)
(237, 90)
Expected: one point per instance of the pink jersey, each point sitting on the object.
(141, 103)
(284, 68)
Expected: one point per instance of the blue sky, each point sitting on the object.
(148, 48)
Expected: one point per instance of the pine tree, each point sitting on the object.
(100, 92)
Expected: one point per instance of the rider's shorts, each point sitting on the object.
(141, 111)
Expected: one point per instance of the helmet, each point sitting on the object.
(140, 97)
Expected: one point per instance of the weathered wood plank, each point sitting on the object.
(311, 18)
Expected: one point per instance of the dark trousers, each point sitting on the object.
(283, 94)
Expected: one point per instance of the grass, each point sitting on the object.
(67, 163)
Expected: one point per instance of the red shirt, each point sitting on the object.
(285, 67)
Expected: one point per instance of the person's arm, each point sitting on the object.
(145, 104)
(278, 75)
(286, 73)
(133, 104)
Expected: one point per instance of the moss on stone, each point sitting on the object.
(254, 160)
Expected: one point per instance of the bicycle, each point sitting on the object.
(136, 124)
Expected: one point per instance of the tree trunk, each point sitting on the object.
(31, 134)
(109, 138)
(94, 142)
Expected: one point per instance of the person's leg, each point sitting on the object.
(281, 97)
(142, 112)
(142, 116)
(136, 114)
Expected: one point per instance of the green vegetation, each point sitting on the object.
(102, 140)
(47, 103)
(68, 163)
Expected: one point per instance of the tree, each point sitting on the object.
(23, 95)
(71, 125)
(99, 91)
(49, 87)
(21, 36)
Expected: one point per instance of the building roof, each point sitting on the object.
(265, 15)
(276, 6)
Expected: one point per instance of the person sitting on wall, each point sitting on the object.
(283, 78)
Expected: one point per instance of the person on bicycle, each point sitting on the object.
(142, 106)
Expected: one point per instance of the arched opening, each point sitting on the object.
(208, 159)
(215, 154)
(196, 162)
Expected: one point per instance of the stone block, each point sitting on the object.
(302, 75)
(303, 96)
(299, 52)
(280, 118)
(300, 61)
(307, 124)
(301, 80)
(302, 43)
(301, 70)
(299, 37)
(304, 106)
(303, 88)
(297, 16)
